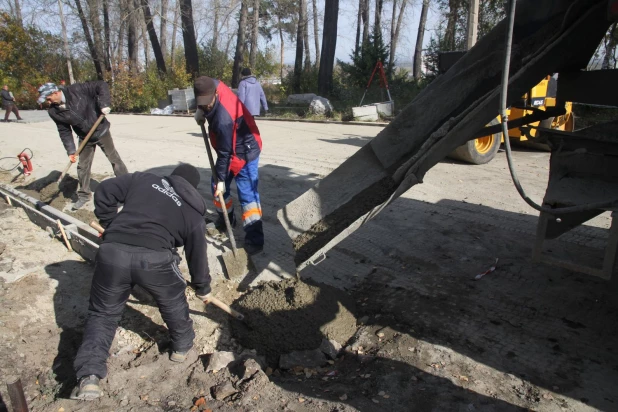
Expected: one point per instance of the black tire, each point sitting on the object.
(469, 152)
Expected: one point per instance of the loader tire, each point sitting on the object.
(479, 151)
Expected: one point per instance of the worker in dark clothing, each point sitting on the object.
(78, 107)
(236, 139)
(139, 247)
(8, 102)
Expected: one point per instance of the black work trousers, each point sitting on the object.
(117, 268)
(86, 157)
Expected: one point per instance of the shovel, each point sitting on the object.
(80, 148)
(236, 262)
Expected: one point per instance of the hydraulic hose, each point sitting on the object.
(505, 132)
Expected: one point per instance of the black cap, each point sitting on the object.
(204, 88)
(189, 173)
(246, 71)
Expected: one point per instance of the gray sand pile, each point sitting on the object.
(46, 190)
(292, 315)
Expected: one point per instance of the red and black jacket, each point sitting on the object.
(233, 133)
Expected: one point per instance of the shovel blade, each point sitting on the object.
(237, 266)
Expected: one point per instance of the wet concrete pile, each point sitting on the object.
(295, 323)
(57, 196)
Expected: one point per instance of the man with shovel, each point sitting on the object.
(236, 139)
(76, 108)
(139, 247)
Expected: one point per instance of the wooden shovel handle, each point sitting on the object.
(97, 227)
(81, 146)
(224, 307)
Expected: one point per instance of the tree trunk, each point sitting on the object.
(20, 20)
(240, 43)
(365, 17)
(282, 46)
(306, 36)
(163, 28)
(358, 28)
(188, 36)
(95, 23)
(215, 26)
(610, 49)
(67, 51)
(316, 34)
(395, 34)
(329, 43)
(174, 32)
(107, 37)
(254, 33)
(119, 48)
(418, 61)
(142, 23)
(298, 62)
(451, 25)
(154, 41)
(132, 44)
(91, 49)
(378, 15)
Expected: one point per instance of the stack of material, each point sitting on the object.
(183, 99)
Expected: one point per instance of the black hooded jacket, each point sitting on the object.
(158, 213)
(80, 111)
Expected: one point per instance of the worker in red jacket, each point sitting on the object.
(236, 139)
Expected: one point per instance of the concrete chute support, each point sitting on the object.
(548, 37)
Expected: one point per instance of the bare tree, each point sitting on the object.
(298, 62)
(89, 42)
(174, 32)
(163, 29)
(418, 61)
(141, 20)
(378, 15)
(188, 36)
(132, 44)
(358, 28)
(451, 25)
(254, 32)
(95, 23)
(154, 41)
(316, 33)
(365, 17)
(306, 35)
(215, 26)
(240, 43)
(20, 20)
(329, 43)
(67, 51)
(107, 37)
(395, 29)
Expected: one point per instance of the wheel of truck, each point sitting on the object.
(479, 151)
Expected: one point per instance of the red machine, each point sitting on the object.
(26, 164)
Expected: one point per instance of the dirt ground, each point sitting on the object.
(428, 337)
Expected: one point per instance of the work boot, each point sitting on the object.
(87, 389)
(179, 357)
(220, 223)
(81, 202)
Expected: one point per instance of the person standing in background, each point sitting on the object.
(8, 102)
(250, 93)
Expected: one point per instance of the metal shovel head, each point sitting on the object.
(237, 266)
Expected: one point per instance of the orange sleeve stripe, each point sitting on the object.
(228, 204)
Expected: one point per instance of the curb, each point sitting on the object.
(272, 119)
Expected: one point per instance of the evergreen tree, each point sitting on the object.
(364, 62)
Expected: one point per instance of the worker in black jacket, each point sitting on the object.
(139, 247)
(77, 107)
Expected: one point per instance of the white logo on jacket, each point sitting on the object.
(168, 191)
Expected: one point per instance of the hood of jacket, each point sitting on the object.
(188, 193)
(251, 79)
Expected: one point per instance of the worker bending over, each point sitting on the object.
(139, 247)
